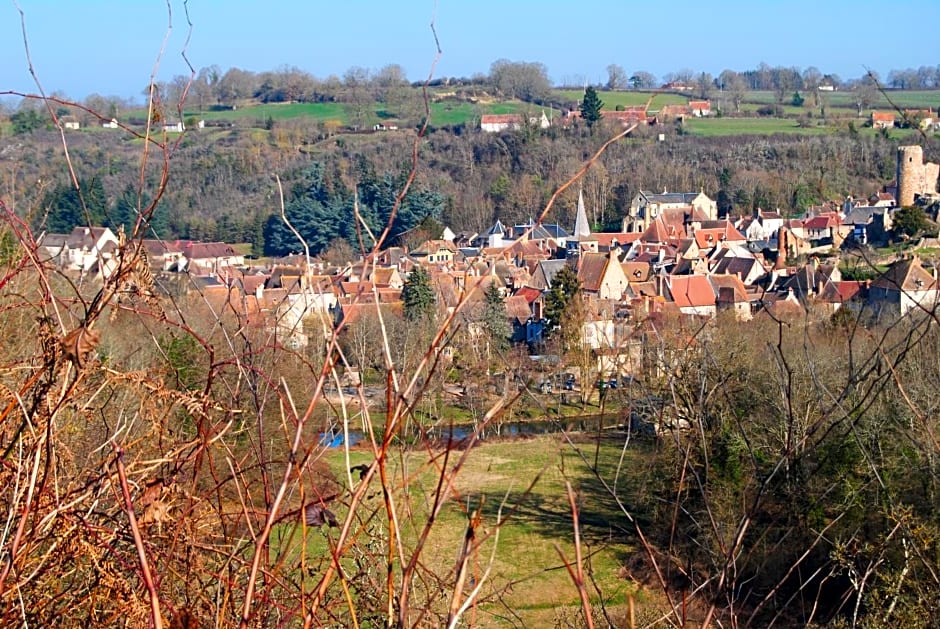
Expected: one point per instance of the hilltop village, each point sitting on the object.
(674, 257)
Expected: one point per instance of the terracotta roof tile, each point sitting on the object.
(606, 239)
(518, 308)
(732, 283)
(690, 291)
(906, 275)
(591, 268)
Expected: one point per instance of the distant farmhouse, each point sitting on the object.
(882, 119)
(495, 123)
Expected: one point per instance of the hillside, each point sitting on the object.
(222, 178)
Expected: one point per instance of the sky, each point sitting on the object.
(111, 47)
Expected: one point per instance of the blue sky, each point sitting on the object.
(110, 46)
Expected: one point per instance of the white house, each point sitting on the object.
(208, 257)
(89, 247)
(904, 287)
(494, 123)
(700, 108)
(764, 226)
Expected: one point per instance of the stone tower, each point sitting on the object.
(914, 176)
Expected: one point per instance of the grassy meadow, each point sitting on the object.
(904, 99)
(626, 98)
(521, 484)
(709, 127)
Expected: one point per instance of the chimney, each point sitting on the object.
(781, 249)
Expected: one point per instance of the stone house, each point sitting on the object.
(904, 287)
(882, 119)
(731, 296)
(700, 108)
(495, 123)
(647, 205)
(209, 257)
(601, 275)
(88, 247)
(692, 294)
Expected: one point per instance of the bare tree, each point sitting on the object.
(523, 80)
(704, 83)
(732, 84)
(642, 80)
(236, 85)
(357, 82)
(812, 78)
(866, 94)
(616, 77)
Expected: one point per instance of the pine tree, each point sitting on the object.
(591, 107)
(68, 209)
(564, 289)
(418, 296)
(494, 319)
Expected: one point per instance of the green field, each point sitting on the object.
(626, 98)
(498, 477)
(713, 127)
(748, 126)
(442, 112)
(913, 99)
(454, 113)
(278, 111)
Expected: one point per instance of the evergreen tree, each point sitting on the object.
(494, 319)
(418, 296)
(591, 107)
(125, 212)
(322, 212)
(65, 208)
(565, 288)
(911, 221)
(256, 236)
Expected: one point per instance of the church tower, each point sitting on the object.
(581, 239)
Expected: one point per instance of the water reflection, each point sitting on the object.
(458, 433)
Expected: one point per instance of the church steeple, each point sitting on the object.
(581, 239)
(582, 228)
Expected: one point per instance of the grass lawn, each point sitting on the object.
(914, 99)
(442, 113)
(278, 111)
(525, 481)
(788, 110)
(749, 126)
(626, 98)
